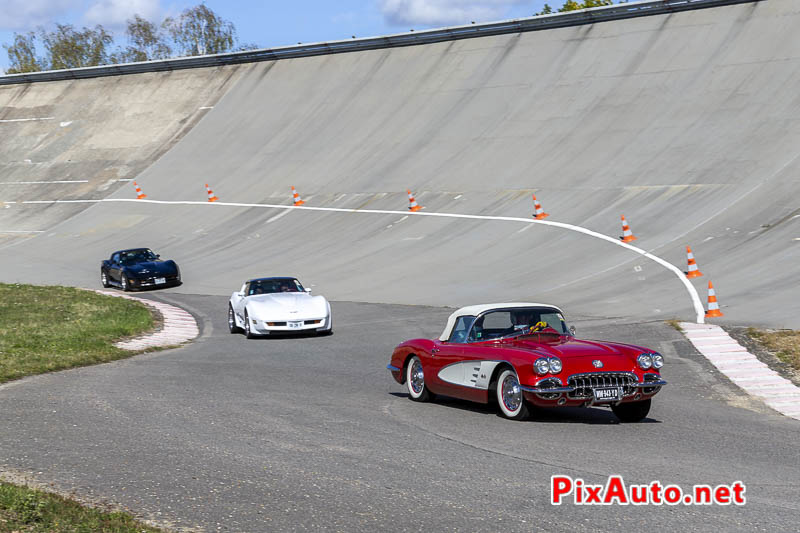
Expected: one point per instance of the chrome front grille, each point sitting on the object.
(584, 383)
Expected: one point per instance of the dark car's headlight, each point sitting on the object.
(645, 361)
(658, 360)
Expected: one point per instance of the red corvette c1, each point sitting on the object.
(524, 354)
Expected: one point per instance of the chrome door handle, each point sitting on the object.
(434, 350)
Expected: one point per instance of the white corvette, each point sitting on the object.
(277, 305)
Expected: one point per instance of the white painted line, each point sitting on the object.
(22, 231)
(457, 197)
(26, 119)
(206, 107)
(693, 294)
(125, 179)
(745, 370)
(276, 217)
(37, 182)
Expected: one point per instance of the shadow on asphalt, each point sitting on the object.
(556, 415)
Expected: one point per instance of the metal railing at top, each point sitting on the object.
(537, 23)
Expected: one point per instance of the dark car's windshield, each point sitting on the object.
(269, 286)
(501, 323)
(131, 257)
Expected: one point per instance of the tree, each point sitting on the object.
(546, 10)
(70, 48)
(147, 42)
(199, 31)
(572, 5)
(22, 55)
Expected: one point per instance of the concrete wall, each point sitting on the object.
(99, 131)
(689, 124)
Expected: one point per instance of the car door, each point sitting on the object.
(114, 268)
(239, 301)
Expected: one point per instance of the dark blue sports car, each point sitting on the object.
(138, 268)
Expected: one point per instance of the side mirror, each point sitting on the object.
(572, 330)
(308, 290)
(158, 256)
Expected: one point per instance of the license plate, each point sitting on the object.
(607, 395)
(159, 281)
(294, 324)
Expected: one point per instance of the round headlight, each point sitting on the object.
(645, 361)
(658, 360)
(542, 366)
(555, 365)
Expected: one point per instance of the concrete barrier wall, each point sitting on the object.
(688, 124)
(78, 139)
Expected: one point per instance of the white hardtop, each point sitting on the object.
(475, 310)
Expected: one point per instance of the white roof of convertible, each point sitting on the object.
(475, 310)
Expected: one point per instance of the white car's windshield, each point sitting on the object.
(274, 285)
(502, 323)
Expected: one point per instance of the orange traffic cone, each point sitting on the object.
(693, 272)
(139, 194)
(538, 212)
(412, 204)
(297, 200)
(211, 197)
(627, 235)
(713, 306)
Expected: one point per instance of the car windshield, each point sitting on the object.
(269, 286)
(503, 323)
(131, 257)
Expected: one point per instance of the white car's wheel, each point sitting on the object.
(247, 330)
(232, 321)
(510, 399)
(415, 381)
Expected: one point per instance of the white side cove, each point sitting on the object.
(474, 374)
(743, 368)
(179, 326)
(696, 302)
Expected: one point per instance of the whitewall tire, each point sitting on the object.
(415, 381)
(510, 399)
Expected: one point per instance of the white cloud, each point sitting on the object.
(26, 15)
(442, 12)
(114, 13)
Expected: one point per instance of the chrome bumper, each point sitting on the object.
(559, 390)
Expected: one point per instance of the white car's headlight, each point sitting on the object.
(658, 360)
(555, 365)
(645, 361)
(542, 366)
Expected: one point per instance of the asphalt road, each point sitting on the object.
(313, 434)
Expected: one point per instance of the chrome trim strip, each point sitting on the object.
(646, 384)
(393, 368)
(553, 390)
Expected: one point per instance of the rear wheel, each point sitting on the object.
(632, 412)
(510, 399)
(123, 282)
(104, 279)
(415, 381)
(232, 321)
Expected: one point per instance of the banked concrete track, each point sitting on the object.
(688, 124)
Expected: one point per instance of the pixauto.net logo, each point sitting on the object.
(615, 492)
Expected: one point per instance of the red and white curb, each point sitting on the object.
(179, 326)
(743, 368)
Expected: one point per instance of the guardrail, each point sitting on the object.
(538, 23)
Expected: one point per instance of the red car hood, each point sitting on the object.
(568, 348)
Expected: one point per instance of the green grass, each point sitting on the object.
(26, 510)
(43, 329)
(785, 344)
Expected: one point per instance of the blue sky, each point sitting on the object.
(266, 23)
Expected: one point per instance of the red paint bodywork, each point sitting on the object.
(520, 353)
